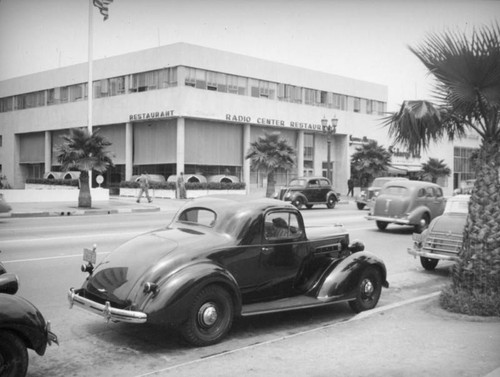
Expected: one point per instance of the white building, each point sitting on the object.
(197, 110)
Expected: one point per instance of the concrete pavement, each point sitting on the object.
(412, 338)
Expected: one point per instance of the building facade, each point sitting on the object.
(188, 108)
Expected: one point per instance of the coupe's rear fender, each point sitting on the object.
(177, 292)
(22, 317)
(335, 195)
(341, 281)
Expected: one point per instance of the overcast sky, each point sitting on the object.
(366, 40)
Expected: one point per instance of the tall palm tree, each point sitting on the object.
(467, 70)
(84, 151)
(434, 168)
(369, 161)
(270, 153)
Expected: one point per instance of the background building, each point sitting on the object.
(188, 108)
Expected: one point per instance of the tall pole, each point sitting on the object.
(89, 83)
(329, 158)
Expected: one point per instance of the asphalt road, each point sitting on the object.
(46, 254)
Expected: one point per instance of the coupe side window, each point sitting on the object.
(281, 225)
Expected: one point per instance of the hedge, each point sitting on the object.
(189, 185)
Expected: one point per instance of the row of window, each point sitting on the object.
(197, 78)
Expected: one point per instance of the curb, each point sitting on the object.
(85, 212)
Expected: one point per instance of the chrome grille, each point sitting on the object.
(443, 243)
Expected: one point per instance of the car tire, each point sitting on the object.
(368, 290)
(331, 201)
(360, 205)
(210, 317)
(298, 203)
(381, 225)
(429, 263)
(13, 355)
(423, 224)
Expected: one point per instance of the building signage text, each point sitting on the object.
(272, 122)
(152, 115)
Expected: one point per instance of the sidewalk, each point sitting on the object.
(415, 338)
(111, 206)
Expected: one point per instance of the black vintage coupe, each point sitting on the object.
(226, 257)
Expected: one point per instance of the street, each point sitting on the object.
(46, 254)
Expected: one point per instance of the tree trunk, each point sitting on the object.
(84, 198)
(478, 270)
(270, 184)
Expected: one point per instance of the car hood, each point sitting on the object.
(454, 223)
(121, 274)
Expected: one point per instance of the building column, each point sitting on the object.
(300, 153)
(48, 151)
(129, 150)
(246, 162)
(181, 132)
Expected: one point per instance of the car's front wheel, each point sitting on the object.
(13, 355)
(332, 200)
(298, 203)
(368, 290)
(381, 225)
(429, 263)
(210, 316)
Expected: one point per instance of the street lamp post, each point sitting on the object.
(329, 130)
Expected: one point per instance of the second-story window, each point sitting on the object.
(144, 81)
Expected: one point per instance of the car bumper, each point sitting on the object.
(430, 255)
(106, 311)
(389, 220)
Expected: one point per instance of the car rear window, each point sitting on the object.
(200, 216)
(395, 190)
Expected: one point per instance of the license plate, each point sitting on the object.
(89, 255)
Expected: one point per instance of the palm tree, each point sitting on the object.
(368, 162)
(84, 151)
(467, 93)
(270, 153)
(434, 169)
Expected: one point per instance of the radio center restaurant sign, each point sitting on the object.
(273, 122)
(151, 115)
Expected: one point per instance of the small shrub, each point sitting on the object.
(470, 303)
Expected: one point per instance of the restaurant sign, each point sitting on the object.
(273, 122)
(151, 115)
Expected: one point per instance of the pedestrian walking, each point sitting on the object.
(144, 187)
(181, 187)
(350, 186)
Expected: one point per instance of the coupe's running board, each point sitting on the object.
(293, 303)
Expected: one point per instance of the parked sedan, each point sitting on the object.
(443, 239)
(22, 326)
(367, 196)
(226, 257)
(408, 203)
